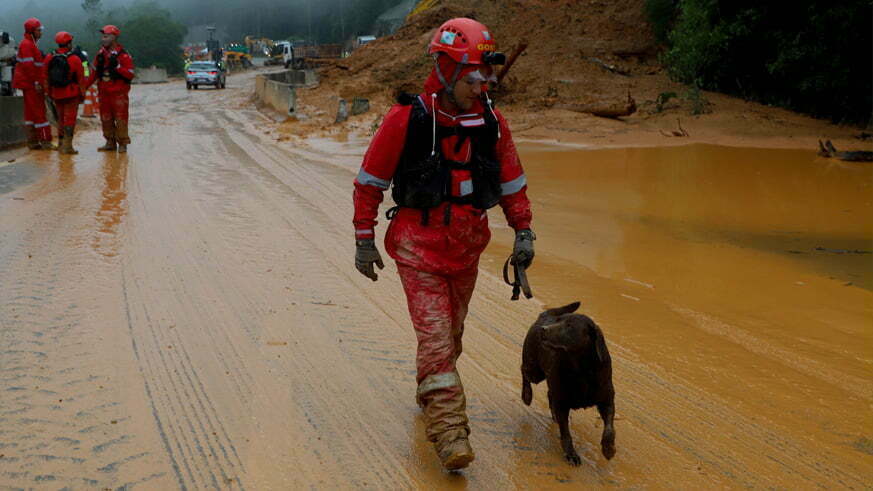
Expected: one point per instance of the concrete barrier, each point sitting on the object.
(12, 121)
(152, 75)
(276, 89)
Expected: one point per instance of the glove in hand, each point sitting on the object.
(366, 255)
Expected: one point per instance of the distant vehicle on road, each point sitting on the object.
(206, 73)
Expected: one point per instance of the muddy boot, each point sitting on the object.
(454, 450)
(445, 409)
(60, 146)
(121, 135)
(109, 134)
(108, 147)
(32, 138)
(67, 142)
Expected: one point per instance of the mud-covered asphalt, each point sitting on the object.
(188, 316)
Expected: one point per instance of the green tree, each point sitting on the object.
(153, 37)
(809, 56)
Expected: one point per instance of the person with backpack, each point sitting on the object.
(66, 81)
(29, 77)
(450, 157)
(113, 72)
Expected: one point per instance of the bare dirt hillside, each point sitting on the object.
(563, 69)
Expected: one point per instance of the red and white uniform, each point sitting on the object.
(29, 71)
(113, 94)
(437, 262)
(67, 98)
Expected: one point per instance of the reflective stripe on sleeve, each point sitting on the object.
(513, 186)
(25, 60)
(361, 233)
(41, 125)
(37, 63)
(366, 179)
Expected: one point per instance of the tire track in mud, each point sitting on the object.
(317, 410)
(62, 422)
(192, 430)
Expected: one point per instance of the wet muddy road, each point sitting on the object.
(188, 316)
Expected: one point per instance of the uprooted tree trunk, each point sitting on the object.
(605, 109)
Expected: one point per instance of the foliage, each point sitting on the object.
(148, 32)
(661, 15)
(663, 99)
(152, 37)
(809, 56)
(699, 103)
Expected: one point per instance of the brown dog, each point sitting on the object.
(568, 351)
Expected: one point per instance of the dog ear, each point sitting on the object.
(599, 343)
(566, 309)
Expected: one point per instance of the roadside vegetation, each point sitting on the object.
(809, 56)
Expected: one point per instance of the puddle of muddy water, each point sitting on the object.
(673, 210)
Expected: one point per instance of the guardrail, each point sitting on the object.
(12, 121)
(276, 89)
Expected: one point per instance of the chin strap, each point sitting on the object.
(450, 87)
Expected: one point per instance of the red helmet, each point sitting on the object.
(63, 38)
(32, 24)
(110, 29)
(464, 40)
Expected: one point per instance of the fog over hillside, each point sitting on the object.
(323, 21)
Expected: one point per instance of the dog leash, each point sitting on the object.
(520, 283)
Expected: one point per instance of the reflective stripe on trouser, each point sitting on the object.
(34, 112)
(438, 306)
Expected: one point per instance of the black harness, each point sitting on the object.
(424, 176)
(113, 61)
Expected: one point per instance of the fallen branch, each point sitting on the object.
(680, 133)
(516, 52)
(607, 66)
(827, 149)
(605, 109)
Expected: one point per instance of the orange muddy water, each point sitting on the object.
(188, 316)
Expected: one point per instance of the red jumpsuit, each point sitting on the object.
(67, 98)
(438, 262)
(113, 93)
(28, 74)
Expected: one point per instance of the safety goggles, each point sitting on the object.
(481, 75)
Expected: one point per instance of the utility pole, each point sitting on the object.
(342, 23)
(309, 20)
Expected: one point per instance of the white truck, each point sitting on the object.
(281, 54)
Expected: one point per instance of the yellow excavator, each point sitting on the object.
(259, 46)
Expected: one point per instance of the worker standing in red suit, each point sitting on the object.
(113, 71)
(450, 157)
(28, 77)
(66, 78)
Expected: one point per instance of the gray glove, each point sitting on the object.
(365, 255)
(523, 250)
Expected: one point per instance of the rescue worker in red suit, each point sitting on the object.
(450, 157)
(66, 92)
(29, 78)
(113, 71)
